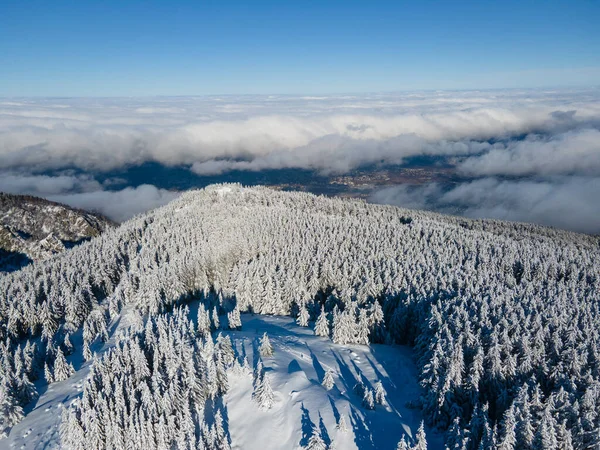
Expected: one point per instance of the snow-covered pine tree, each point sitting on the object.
(315, 442)
(11, 411)
(62, 369)
(303, 316)
(421, 438)
(87, 353)
(403, 444)
(265, 347)
(322, 324)
(234, 320)
(508, 438)
(258, 372)
(222, 441)
(263, 393)
(203, 321)
(68, 346)
(72, 436)
(215, 319)
(341, 425)
(368, 400)
(48, 374)
(379, 393)
(328, 381)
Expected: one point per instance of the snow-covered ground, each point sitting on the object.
(295, 371)
(40, 427)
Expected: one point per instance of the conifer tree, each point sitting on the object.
(303, 316)
(48, 374)
(379, 393)
(234, 320)
(508, 437)
(215, 319)
(322, 324)
(62, 369)
(67, 344)
(341, 425)
(403, 444)
(11, 411)
(315, 441)
(263, 393)
(265, 347)
(420, 439)
(328, 382)
(368, 400)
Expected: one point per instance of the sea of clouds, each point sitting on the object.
(530, 155)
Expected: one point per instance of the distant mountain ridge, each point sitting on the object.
(34, 229)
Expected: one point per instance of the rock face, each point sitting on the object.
(34, 229)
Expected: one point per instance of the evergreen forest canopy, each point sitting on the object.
(503, 317)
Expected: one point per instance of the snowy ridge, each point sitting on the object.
(503, 319)
(35, 229)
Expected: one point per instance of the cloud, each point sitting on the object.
(573, 152)
(43, 185)
(217, 134)
(119, 205)
(522, 154)
(563, 202)
(84, 192)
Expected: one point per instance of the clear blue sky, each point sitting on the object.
(92, 48)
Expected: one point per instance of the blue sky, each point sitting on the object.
(129, 48)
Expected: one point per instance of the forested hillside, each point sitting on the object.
(33, 229)
(504, 318)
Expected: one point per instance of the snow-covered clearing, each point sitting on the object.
(296, 371)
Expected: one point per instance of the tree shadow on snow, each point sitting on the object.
(348, 378)
(378, 374)
(307, 426)
(317, 365)
(361, 376)
(323, 431)
(294, 366)
(362, 435)
(336, 412)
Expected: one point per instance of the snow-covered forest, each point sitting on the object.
(503, 318)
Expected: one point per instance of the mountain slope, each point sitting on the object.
(503, 318)
(33, 229)
(296, 369)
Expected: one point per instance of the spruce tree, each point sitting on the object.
(303, 316)
(328, 382)
(62, 369)
(421, 438)
(265, 347)
(322, 324)
(379, 393)
(341, 425)
(368, 400)
(315, 441)
(263, 393)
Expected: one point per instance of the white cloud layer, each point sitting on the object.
(531, 155)
(565, 202)
(216, 134)
(119, 205)
(82, 191)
